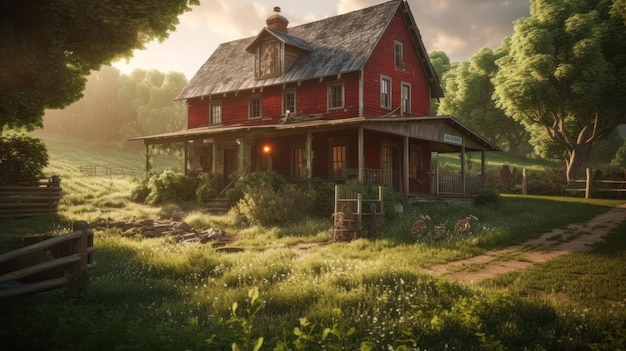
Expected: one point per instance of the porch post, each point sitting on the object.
(309, 155)
(361, 150)
(482, 169)
(213, 157)
(186, 156)
(406, 165)
(463, 168)
(147, 157)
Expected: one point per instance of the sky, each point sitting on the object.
(457, 27)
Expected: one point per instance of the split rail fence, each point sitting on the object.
(591, 187)
(49, 264)
(30, 200)
(104, 170)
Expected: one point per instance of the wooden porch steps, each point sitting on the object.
(217, 205)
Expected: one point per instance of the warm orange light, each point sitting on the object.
(266, 149)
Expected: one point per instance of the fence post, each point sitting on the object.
(588, 184)
(80, 246)
(524, 182)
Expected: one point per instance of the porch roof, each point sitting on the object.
(319, 125)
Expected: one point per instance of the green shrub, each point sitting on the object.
(141, 192)
(252, 180)
(171, 186)
(488, 197)
(22, 158)
(263, 205)
(208, 187)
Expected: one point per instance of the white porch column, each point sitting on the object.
(361, 151)
(214, 157)
(406, 165)
(463, 168)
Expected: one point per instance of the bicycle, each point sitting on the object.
(419, 229)
(465, 225)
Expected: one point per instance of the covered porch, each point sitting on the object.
(396, 152)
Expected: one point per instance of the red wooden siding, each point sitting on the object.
(382, 62)
(197, 113)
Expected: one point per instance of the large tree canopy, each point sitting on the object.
(468, 96)
(565, 76)
(47, 47)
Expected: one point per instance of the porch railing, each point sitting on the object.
(377, 177)
(445, 183)
(452, 184)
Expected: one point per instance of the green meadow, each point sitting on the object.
(292, 289)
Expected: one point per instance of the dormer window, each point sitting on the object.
(269, 59)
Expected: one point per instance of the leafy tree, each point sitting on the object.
(565, 76)
(441, 65)
(22, 158)
(47, 47)
(468, 96)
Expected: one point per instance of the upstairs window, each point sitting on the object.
(216, 113)
(336, 96)
(269, 61)
(289, 101)
(398, 57)
(385, 92)
(254, 107)
(406, 98)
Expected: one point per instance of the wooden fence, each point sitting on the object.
(350, 214)
(104, 170)
(24, 200)
(50, 264)
(590, 186)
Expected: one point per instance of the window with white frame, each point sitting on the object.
(385, 92)
(289, 101)
(336, 95)
(398, 57)
(406, 98)
(254, 107)
(216, 113)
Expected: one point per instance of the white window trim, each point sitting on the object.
(211, 116)
(396, 45)
(253, 97)
(408, 85)
(295, 101)
(343, 95)
(382, 103)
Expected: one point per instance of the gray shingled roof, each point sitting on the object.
(337, 44)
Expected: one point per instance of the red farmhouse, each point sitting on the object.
(347, 96)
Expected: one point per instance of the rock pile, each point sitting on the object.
(178, 230)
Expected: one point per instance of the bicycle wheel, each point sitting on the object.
(463, 226)
(418, 229)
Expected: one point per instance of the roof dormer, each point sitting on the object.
(275, 51)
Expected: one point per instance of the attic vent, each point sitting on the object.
(276, 21)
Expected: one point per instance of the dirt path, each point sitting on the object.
(573, 238)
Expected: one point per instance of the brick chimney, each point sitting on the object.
(276, 21)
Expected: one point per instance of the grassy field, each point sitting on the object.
(153, 294)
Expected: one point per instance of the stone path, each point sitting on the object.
(574, 238)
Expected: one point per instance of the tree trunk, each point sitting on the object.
(577, 157)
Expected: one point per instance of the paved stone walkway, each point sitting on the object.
(574, 238)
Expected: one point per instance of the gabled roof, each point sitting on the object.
(284, 37)
(338, 44)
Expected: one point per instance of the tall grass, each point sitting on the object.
(367, 294)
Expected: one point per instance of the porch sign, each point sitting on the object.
(453, 139)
